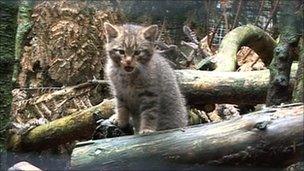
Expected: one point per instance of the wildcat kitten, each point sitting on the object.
(142, 81)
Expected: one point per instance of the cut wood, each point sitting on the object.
(272, 137)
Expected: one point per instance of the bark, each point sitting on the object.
(298, 92)
(79, 125)
(283, 55)
(203, 87)
(24, 25)
(247, 35)
(8, 14)
(54, 55)
(272, 137)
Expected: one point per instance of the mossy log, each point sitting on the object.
(79, 125)
(205, 87)
(272, 137)
(247, 35)
(199, 87)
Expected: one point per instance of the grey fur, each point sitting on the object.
(150, 93)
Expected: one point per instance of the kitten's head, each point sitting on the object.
(130, 46)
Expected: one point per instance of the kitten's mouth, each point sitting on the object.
(128, 68)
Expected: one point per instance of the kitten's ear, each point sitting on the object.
(150, 33)
(110, 31)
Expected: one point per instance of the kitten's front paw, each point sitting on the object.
(118, 122)
(113, 119)
(146, 131)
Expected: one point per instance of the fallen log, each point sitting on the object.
(199, 87)
(79, 125)
(272, 137)
(205, 87)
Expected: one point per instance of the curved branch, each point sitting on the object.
(248, 35)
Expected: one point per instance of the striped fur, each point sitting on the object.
(142, 81)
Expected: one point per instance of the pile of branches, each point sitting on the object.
(64, 45)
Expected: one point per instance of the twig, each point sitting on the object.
(274, 10)
(265, 27)
(207, 5)
(161, 30)
(209, 42)
(247, 54)
(255, 23)
(190, 34)
(190, 44)
(165, 47)
(260, 11)
(254, 62)
(39, 88)
(190, 58)
(94, 81)
(225, 18)
(237, 15)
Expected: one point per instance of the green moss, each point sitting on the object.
(8, 27)
(24, 25)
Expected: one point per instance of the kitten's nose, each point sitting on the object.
(128, 60)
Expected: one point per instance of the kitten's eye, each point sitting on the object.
(122, 52)
(137, 52)
(119, 51)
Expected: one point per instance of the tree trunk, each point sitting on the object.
(272, 137)
(8, 25)
(24, 25)
(298, 91)
(283, 55)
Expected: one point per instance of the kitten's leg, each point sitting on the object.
(122, 115)
(149, 111)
